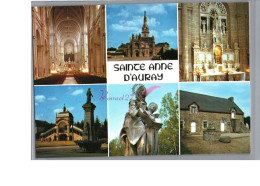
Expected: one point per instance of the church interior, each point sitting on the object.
(214, 41)
(69, 44)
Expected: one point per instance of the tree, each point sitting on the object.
(116, 148)
(247, 120)
(111, 49)
(169, 134)
(170, 54)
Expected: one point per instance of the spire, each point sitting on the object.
(145, 18)
(145, 28)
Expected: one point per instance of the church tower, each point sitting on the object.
(145, 28)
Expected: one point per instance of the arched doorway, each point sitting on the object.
(137, 53)
(62, 137)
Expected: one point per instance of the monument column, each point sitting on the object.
(88, 129)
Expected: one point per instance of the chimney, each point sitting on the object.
(231, 99)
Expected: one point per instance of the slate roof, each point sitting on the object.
(207, 103)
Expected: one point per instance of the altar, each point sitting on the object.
(220, 76)
(214, 58)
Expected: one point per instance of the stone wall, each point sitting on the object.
(212, 118)
(52, 137)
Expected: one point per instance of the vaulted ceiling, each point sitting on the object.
(68, 23)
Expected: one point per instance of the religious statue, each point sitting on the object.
(218, 54)
(140, 129)
(204, 26)
(223, 27)
(215, 21)
(89, 95)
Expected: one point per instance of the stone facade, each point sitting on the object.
(142, 45)
(214, 38)
(69, 39)
(199, 112)
(203, 119)
(64, 129)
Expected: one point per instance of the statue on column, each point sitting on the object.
(140, 129)
(89, 95)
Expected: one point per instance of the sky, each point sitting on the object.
(125, 20)
(50, 100)
(239, 90)
(118, 109)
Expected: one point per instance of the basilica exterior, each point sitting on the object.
(69, 39)
(213, 41)
(142, 45)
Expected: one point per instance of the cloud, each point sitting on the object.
(123, 28)
(152, 22)
(36, 104)
(39, 116)
(169, 32)
(70, 108)
(154, 33)
(40, 98)
(52, 98)
(77, 92)
(57, 110)
(134, 25)
(153, 9)
(171, 5)
(123, 13)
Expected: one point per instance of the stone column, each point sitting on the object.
(243, 33)
(88, 129)
(57, 133)
(208, 24)
(236, 55)
(185, 44)
(68, 133)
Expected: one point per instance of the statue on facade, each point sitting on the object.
(89, 95)
(204, 26)
(223, 28)
(140, 129)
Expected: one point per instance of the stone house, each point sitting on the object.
(198, 111)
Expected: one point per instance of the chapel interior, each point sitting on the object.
(69, 44)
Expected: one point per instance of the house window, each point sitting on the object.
(193, 127)
(233, 114)
(205, 124)
(222, 126)
(193, 109)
